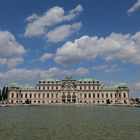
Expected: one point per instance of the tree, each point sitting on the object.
(0, 95)
(28, 101)
(6, 93)
(137, 101)
(108, 101)
(3, 93)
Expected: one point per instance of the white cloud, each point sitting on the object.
(134, 8)
(45, 57)
(135, 86)
(60, 33)
(11, 52)
(125, 48)
(55, 71)
(29, 75)
(38, 25)
(107, 68)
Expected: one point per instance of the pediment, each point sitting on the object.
(69, 88)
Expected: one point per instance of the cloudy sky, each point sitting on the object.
(82, 38)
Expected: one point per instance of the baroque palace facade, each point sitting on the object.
(85, 90)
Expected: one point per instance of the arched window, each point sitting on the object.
(89, 95)
(12, 95)
(124, 95)
(74, 98)
(68, 97)
(63, 98)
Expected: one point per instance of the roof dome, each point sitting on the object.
(122, 85)
(14, 85)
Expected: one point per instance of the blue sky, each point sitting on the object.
(82, 38)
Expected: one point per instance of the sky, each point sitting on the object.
(80, 38)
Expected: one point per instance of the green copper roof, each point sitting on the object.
(122, 85)
(14, 85)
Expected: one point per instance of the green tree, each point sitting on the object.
(6, 93)
(0, 95)
(108, 101)
(3, 93)
(137, 101)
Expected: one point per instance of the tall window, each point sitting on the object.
(12, 95)
(48, 95)
(30, 95)
(102, 95)
(119, 95)
(89, 95)
(25, 95)
(85, 95)
(124, 95)
(106, 95)
(38, 95)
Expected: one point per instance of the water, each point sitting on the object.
(69, 123)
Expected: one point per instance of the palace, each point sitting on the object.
(85, 90)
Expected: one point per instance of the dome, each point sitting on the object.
(14, 85)
(122, 85)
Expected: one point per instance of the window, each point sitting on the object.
(30, 95)
(34, 95)
(102, 95)
(21, 95)
(39, 95)
(43, 95)
(56, 87)
(93, 95)
(106, 95)
(25, 95)
(12, 95)
(89, 95)
(85, 95)
(38, 87)
(111, 95)
(98, 95)
(56, 95)
(43, 87)
(48, 95)
(47, 87)
(124, 95)
(120, 95)
(17, 95)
